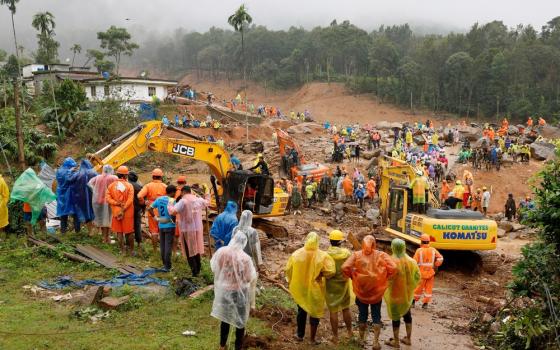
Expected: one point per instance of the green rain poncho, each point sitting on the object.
(339, 293)
(398, 296)
(30, 189)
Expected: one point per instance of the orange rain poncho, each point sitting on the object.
(339, 293)
(306, 271)
(370, 270)
(400, 292)
(348, 186)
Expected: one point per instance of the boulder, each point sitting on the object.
(507, 226)
(501, 233)
(513, 130)
(550, 132)
(517, 227)
(396, 125)
(373, 162)
(470, 133)
(92, 294)
(384, 125)
(542, 150)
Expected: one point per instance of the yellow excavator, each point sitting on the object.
(255, 192)
(449, 229)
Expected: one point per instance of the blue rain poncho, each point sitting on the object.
(64, 202)
(30, 189)
(80, 191)
(224, 224)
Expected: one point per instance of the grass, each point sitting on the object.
(30, 322)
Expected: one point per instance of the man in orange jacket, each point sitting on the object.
(147, 195)
(427, 258)
(120, 196)
(370, 187)
(370, 270)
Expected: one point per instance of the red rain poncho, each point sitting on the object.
(369, 270)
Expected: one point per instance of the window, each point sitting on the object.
(106, 90)
(93, 91)
(151, 91)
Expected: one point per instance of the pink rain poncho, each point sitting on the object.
(233, 274)
(99, 185)
(400, 292)
(189, 209)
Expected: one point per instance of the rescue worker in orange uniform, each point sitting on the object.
(444, 191)
(149, 193)
(529, 122)
(542, 122)
(491, 134)
(427, 258)
(505, 123)
(120, 196)
(348, 187)
(370, 188)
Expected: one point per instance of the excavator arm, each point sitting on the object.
(148, 137)
(286, 140)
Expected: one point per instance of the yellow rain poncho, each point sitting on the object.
(400, 292)
(4, 198)
(306, 271)
(339, 287)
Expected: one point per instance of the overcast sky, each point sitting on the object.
(79, 20)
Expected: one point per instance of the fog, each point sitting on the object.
(77, 21)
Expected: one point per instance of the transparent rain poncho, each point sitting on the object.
(306, 271)
(98, 186)
(339, 293)
(233, 273)
(30, 189)
(253, 247)
(400, 292)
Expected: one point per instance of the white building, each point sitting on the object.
(35, 74)
(132, 90)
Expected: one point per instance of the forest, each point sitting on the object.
(491, 70)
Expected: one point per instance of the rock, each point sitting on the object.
(487, 318)
(372, 163)
(505, 225)
(367, 155)
(550, 132)
(373, 215)
(501, 233)
(92, 294)
(542, 150)
(513, 235)
(517, 227)
(396, 125)
(497, 217)
(112, 303)
(513, 130)
(383, 125)
(470, 133)
(495, 327)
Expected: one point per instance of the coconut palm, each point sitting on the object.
(76, 48)
(238, 21)
(12, 7)
(44, 23)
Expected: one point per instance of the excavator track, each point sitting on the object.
(272, 228)
(489, 260)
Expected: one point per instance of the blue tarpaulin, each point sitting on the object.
(118, 281)
(147, 111)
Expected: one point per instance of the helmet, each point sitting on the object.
(182, 179)
(425, 238)
(157, 172)
(458, 182)
(419, 172)
(336, 235)
(484, 188)
(122, 170)
(259, 155)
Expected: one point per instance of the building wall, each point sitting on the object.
(128, 91)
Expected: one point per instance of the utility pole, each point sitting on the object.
(19, 131)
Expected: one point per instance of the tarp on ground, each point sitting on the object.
(118, 281)
(30, 189)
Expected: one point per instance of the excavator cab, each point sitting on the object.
(398, 201)
(254, 192)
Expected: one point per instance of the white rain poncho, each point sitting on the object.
(253, 247)
(98, 186)
(233, 274)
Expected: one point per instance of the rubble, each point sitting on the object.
(113, 303)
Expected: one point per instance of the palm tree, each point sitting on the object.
(12, 7)
(44, 22)
(238, 21)
(76, 48)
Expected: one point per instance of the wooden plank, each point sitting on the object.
(106, 259)
(201, 291)
(73, 257)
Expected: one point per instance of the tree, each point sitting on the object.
(238, 21)
(76, 48)
(117, 43)
(11, 4)
(3, 55)
(99, 61)
(47, 51)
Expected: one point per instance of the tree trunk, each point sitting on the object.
(19, 131)
(244, 84)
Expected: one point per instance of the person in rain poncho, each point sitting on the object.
(81, 193)
(4, 199)
(370, 270)
(306, 271)
(234, 273)
(224, 224)
(102, 209)
(189, 212)
(120, 195)
(419, 186)
(64, 196)
(458, 191)
(253, 247)
(339, 293)
(400, 293)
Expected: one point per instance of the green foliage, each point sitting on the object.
(11, 69)
(67, 107)
(117, 42)
(47, 51)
